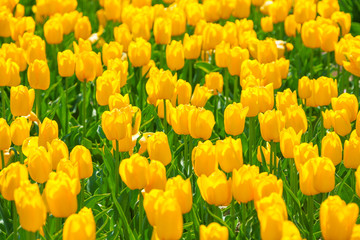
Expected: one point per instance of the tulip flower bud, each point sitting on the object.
(341, 122)
(134, 171)
(214, 81)
(57, 151)
(267, 24)
(271, 123)
(179, 119)
(352, 151)
(357, 124)
(157, 176)
(201, 123)
(140, 27)
(304, 87)
(215, 189)
(212, 36)
(310, 34)
(162, 30)
(212, 230)
(80, 226)
(139, 52)
(272, 75)
(178, 21)
(305, 11)
(331, 147)
(30, 207)
(236, 57)
(82, 46)
(13, 71)
(114, 123)
(81, 159)
(35, 50)
(200, 96)
(66, 63)
(150, 206)
(327, 7)
(86, 66)
(11, 178)
(53, 31)
(5, 21)
(48, 131)
(348, 102)
(234, 118)
(285, 99)
(303, 153)
(242, 9)
(82, 28)
(180, 190)
(267, 51)
(112, 50)
(204, 159)
(175, 55)
(112, 10)
(243, 183)
(182, 93)
(39, 75)
(337, 219)
(4, 72)
(266, 184)
(288, 140)
(5, 135)
(291, 26)
(39, 165)
(229, 154)
(295, 117)
(329, 37)
(118, 101)
(212, 10)
(343, 20)
(158, 148)
(20, 130)
(192, 46)
(123, 36)
(221, 54)
(67, 167)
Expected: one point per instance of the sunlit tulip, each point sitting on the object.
(81, 159)
(291, 26)
(38, 75)
(310, 34)
(243, 183)
(229, 154)
(267, 24)
(242, 8)
(222, 54)
(21, 100)
(111, 51)
(348, 102)
(86, 66)
(11, 178)
(204, 159)
(66, 63)
(267, 51)
(266, 184)
(265, 152)
(82, 28)
(162, 30)
(295, 117)
(352, 151)
(201, 123)
(236, 56)
(114, 123)
(234, 118)
(5, 135)
(192, 46)
(80, 226)
(180, 189)
(271, 123)
(304, 152)
(304, 11)
(158, 148)
(48, 131)
(214, 231)
(344, 20)
(20, 130)
(157, 176)
(123, 35)
(175, 58)
(327, 7)
(134, 171)
(288, 140)
(53, 31)
(139, 52)
(304, 87)
(182, 93)
(340, 122)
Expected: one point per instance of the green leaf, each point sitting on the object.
(91, 201)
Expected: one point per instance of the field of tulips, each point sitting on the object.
(179, 119)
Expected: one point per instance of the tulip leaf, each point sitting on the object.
(206, 67)
(91, 201)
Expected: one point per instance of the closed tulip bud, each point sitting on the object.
(212, 10)
(160, 109)
(5, 22)
(39, 165)
(303, 153)
(114, 123)
(82, 46)
(221, 54)
(134, 171)
(236, 57)
(82, 28)
(324, 174)
(304, 11)
(285, 99)
(214, 231)
(48, 131)
(53, 31)
(357, 176)
(310, 34)
(80, 226)
(271, 123)
(329, 35)
(19, 26)
(81, 159)
(327, 7)
(111, 51)
(11, 178)
(266, 184)
(30, 207)
(204, 159)
(291, 26)
(162, 30)
(243, 183)
(86, 66)
(214, 81)
(272, 75)
(200, 96)
(14, 73)
(212, 36)
(279, 10)
(343, 20)
(324, 89)
(267, 24)
(106, 86)
(139, 52)
(169, 220)
(263, 153)
(118, 101)
(352, 151)
(112, 10)
(267, 51)
(194, 13)
(151, 206)
(242, 9)
(192, 46)
(123, 36)
(229, 154)
(175, 55)
(288, 140)
(357, 124)
(182, 93)
(337, 219)
(341, 122)
(39, 75)
(20, 130)
(250, 99)
(234, 118)
(331, 147)
(118, 69)
(140, 27)
(5, 135)
(158, 148)
(180, 190)
(295, 117)
(57, 151)
(215, 189)
(4, 72)
(348, 102)
(266, 97)
(283, 65)
(126, 144)
(304, 87)
(66, 63)
(69, 20)
(35, 50)
(201, 123)
(157, 176)
(178, 21)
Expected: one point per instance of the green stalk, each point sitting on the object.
(311, 62)
(232, 214)
(2, 93)
(356, 87)
(215, 103)
(21, 155)
(15, 219)
(141, 213)
(341, 81)
(84, 109)
(243, 216)
(227, 89)
(236, 79)
(66, 104)
(271, 157)
(293, 176)
(2, 159)
(165, 120)
(81, 201)
(117, 163)
(38, 102)
(186, 155)
(274, 159)
(30, 235)
(310, 127)
(251, 138)
(310, 209)
(190, 141)
(191, 65)
(328, 60)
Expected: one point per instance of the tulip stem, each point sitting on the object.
(227, 89)
(311, 62)
(185, 155)
(2, 93)
(15, 219)
(251, 137)
(141, 213)
(356, 86)
(66, 104)
(236, 80)
(2, 160)
(293, 173)
(30, 235)
(117, 163)
(191, 64)
(310, 208)
(81, 202)
(165, 120)
(232, 214)
(38, 102)
(84, 109)
(328, 63)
